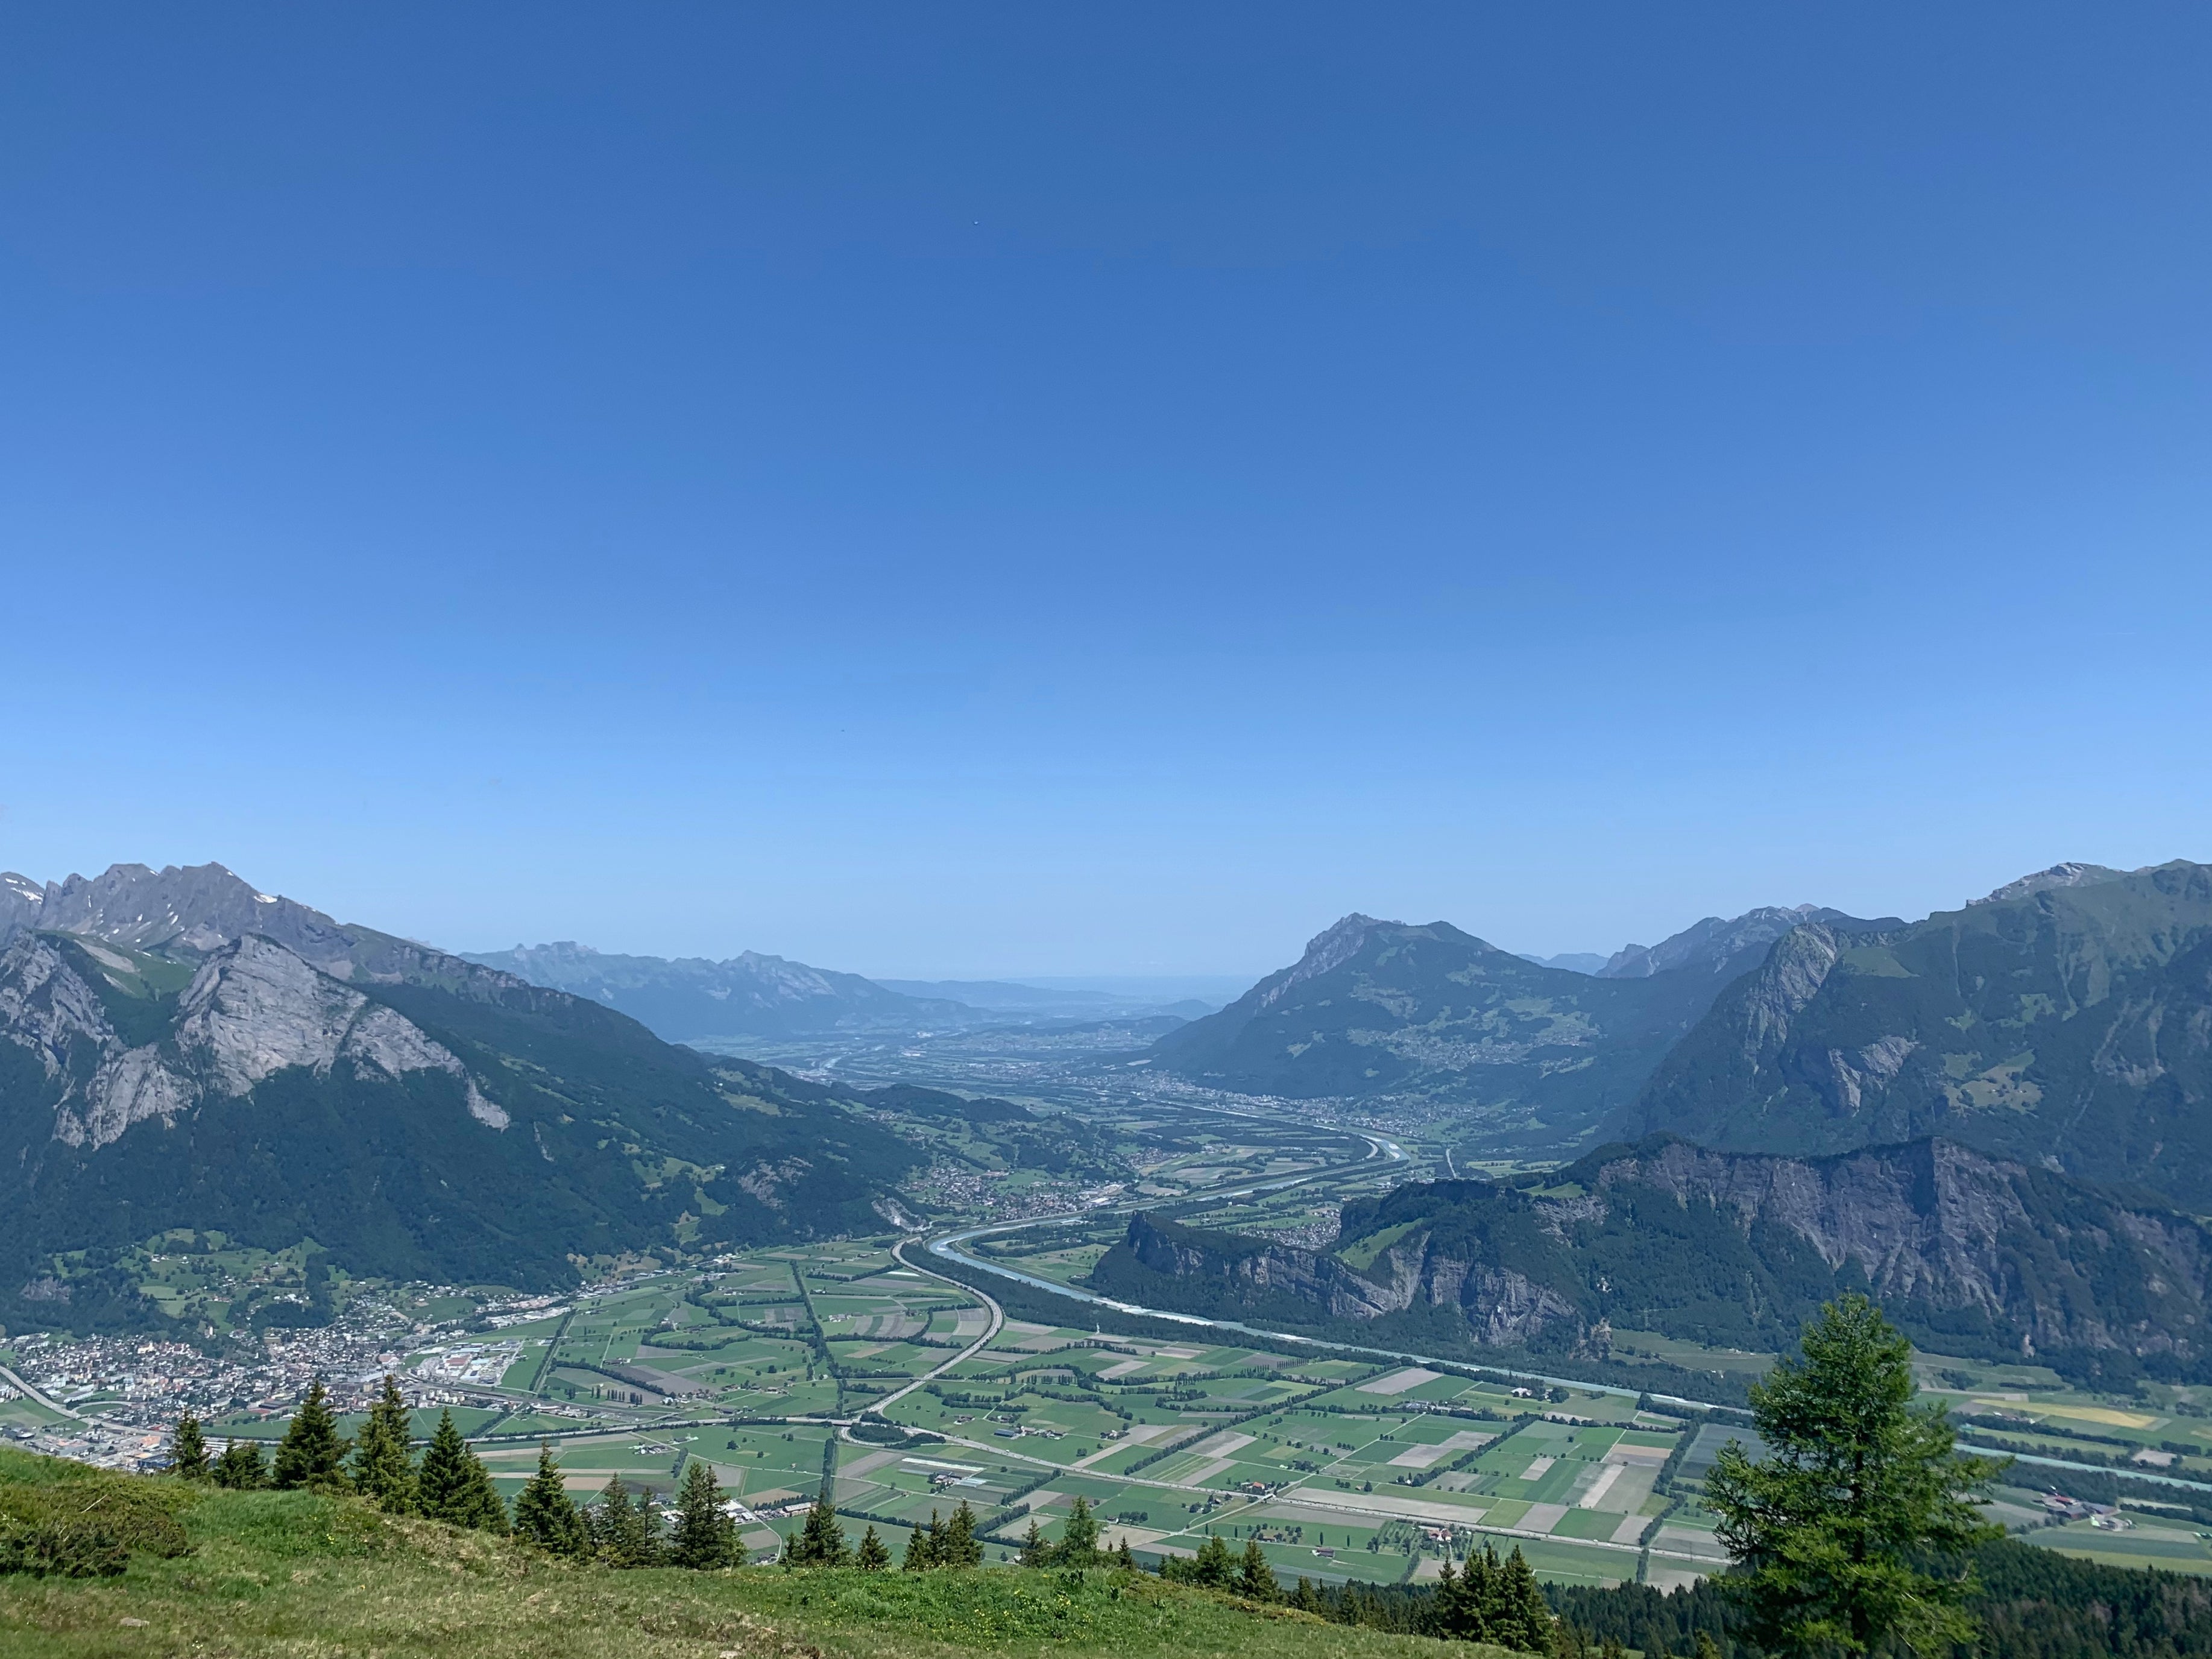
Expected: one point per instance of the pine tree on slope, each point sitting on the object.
(625, 1534)
(545, 1515)
(704, 1536)
(188, 1452)
(240, 1468)
(312, 1453)
(453, 1484)
(383, 1455)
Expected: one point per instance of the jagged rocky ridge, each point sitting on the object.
(179, 1050)
(1971, 1255)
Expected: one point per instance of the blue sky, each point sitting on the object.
(998, 490)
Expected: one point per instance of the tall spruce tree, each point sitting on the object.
(1037, 1549)
(383, 1454)
(623, 1533)
(959, 1548)
(1212, 1566)
(454, 1486)
(188, 1452)
(1854, 1531)
(313, 1452)
(704, 1537)
(921, 1547)
(240, 1468)
(873, 1555)
(1522, 1620)
(821, 1541)
(1255, 1579)
(545, 1515)
(1078, 1539)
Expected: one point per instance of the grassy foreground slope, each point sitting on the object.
(304, 1577)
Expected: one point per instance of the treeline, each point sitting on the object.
(2033, 1604)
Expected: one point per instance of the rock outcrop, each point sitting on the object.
(1972, 1253)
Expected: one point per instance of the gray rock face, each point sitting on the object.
(22, 901)
(196, 908)
(254, 1008)
(1944, 1226)
(1939, 1233)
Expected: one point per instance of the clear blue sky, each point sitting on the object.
(1011, 489)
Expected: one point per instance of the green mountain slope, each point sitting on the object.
(1970, 1254)
(1538, 1055)
(2067, 1018)
(415, 1115)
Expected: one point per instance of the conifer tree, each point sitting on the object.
(1857, 1528)
(959, 1548)
(1126, 1558)
(1078, 1539)
(1457, 1612)
(704, 1536)
(1035, 1551)
(874, 1555)
(383, 1456)
(1524, 1622)
(188, 1452)
(1212, 1566)
(240, 1467)
(312, 1453)
(1307, 1599)
(922, 1547)
(1255, 1579)
(545, 1515)
(624, 1534)
(821, 1541)
(1480, 1579)
(453, 1484)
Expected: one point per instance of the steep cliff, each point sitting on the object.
(1971, 1255)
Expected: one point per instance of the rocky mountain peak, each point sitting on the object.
(194, 907)
(1330, 948)
(2068, 875)
(1727, 947)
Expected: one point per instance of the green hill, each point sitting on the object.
(290, 1574)
(2067, 1019)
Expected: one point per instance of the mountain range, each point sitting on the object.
(689, 998)
(179, 1050)
(1536, 1056)
(2066, 1019)
(1971, 1255)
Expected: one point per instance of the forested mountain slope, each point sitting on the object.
(165, 1062)
(2066, 1019)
